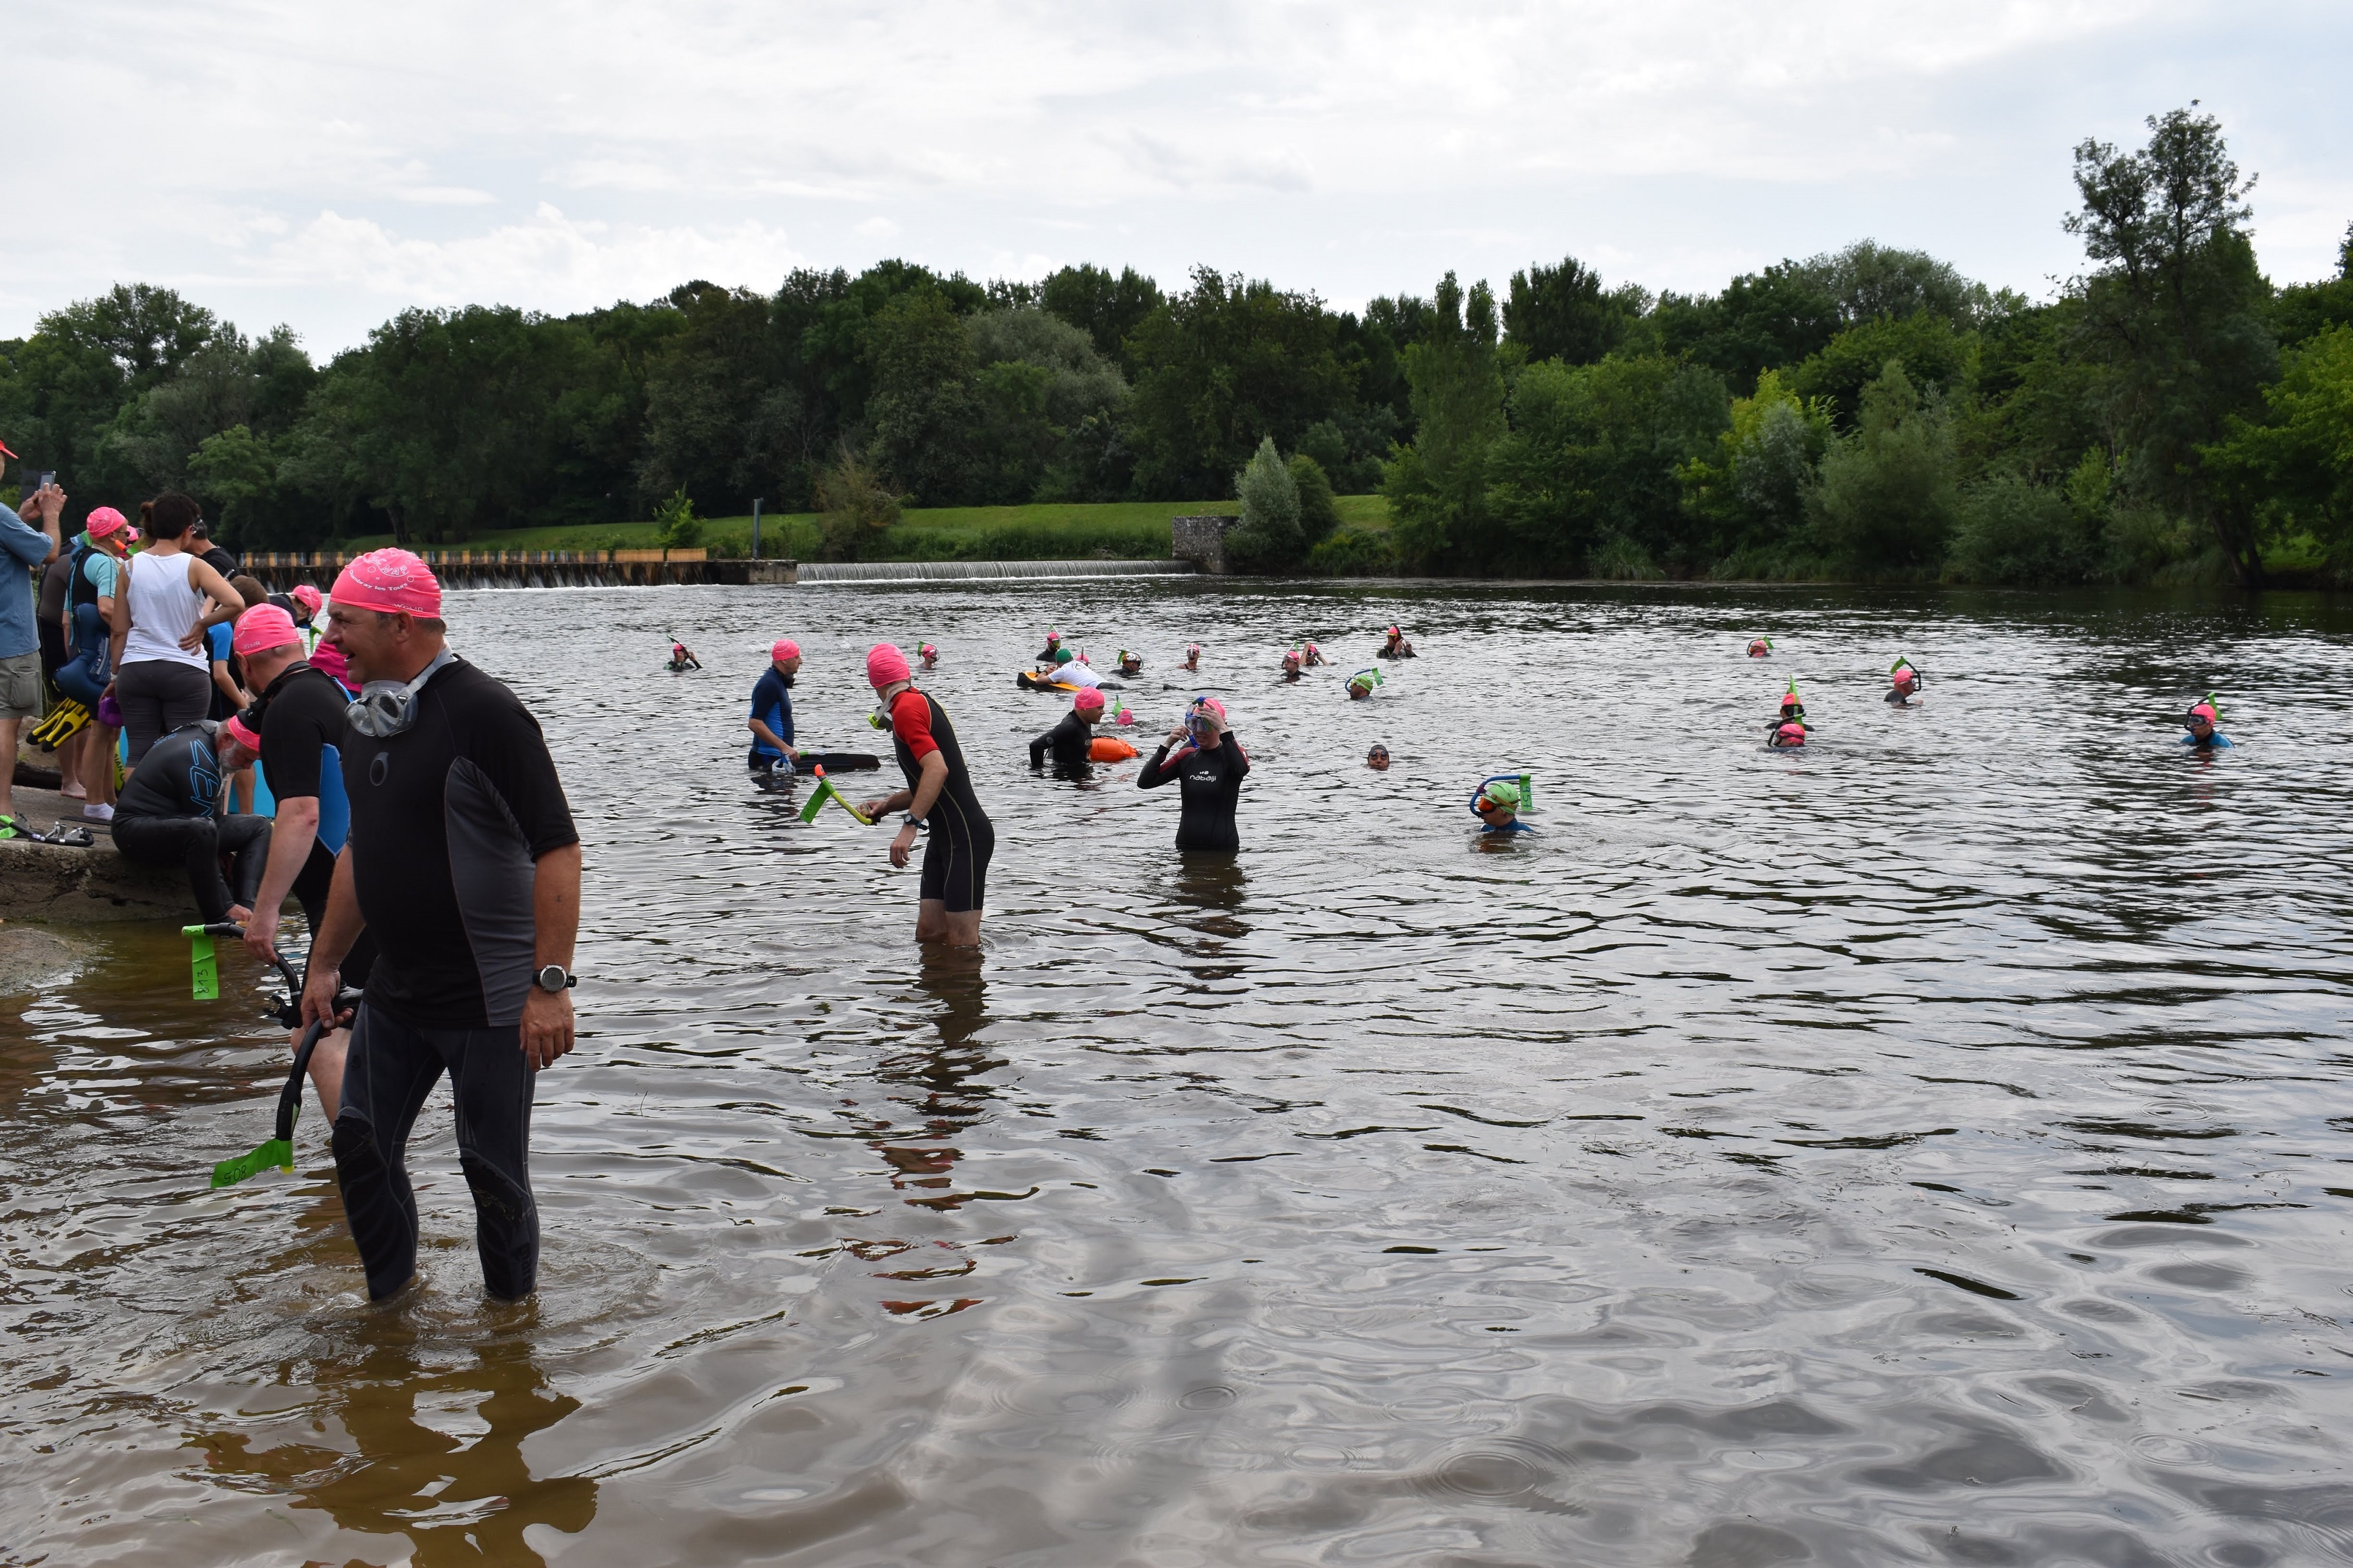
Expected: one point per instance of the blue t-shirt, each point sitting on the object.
(772, 704)
(2220, 740)
(219, 639)
(22, 547)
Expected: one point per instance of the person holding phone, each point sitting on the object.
(24, 547)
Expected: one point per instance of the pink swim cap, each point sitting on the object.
(238, 732)
(1908, 676)
(307, 596)
(1214, 705)
(1088, 700)
(391, 581)
(262, 628)
(1192, 648)
(886, 666)
(104, 520)
(784, 649)
(329, 657)
(1793, 733)
(2205, 710)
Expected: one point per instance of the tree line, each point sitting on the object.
(2170, 414)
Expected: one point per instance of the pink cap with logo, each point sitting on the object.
(262, 628)
(1088, 700)
(392, 581)
(307, 596)
(105, 520)
(886, 666)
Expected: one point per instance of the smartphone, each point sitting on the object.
(28, 485)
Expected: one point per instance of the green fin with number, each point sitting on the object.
(277, 1153)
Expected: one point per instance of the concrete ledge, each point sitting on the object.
(51, 882)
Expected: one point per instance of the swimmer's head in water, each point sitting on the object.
(2203, 717)
(1378, 758)
(1088, 701)
(1790, 700)
(1054, 639)
(1759, 646)
(1061, 655)
(1791, 733)
(1497, 796)
(1903, 676)
(1393, 634)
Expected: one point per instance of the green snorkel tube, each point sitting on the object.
(204, 975)
(1367, 678)
(1514, 790)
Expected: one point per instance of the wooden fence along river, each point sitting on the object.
(534, 568)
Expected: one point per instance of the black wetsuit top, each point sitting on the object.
(1210, 784)
(1069, 741)
(1900, 699)
(449, 821)
(919, 728)
(179, 776)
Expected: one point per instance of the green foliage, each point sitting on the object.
(1889, 493)
(2292, 468)
(1932, 352)
(1319, 508)
(2013, 530)
(1588, 476)
(856, 508)
(1562, 312)
(675, 525)
(1437, 487)
(1354, 551)
(2177, 311)
(1221, 366)
(1753, 491)
(1268, 538)
(1107, 308)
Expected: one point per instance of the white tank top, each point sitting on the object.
(164, 607)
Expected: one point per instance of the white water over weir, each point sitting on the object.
(956, 571)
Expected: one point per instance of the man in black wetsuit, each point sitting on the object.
(1070, 739)
(297, 721)
(1209, 773)
(463, 861)
(168, 815)
(938, 796)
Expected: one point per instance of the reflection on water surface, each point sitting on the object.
(1929, 1147)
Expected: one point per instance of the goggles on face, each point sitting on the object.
(385, 708)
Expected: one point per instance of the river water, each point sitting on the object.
(1929, 1147)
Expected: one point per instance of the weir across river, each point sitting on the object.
(623, 568)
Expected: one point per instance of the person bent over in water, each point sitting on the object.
(1069, 740)
(1785, 734)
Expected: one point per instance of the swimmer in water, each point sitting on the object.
(1395, 646)
(929, 655)
(1193, 656)
(681, 658)
(1069, 740)
(1786, 734)
(773, 755)
(1314, 656)
(1904, 683)
(1053, 646)
(1207, 766)
(1129, 664)
(1361, 684)
(1496, 805)
(1378, 758)
(1793, 710)
(2202, 722)
(1760, 648)
(1290, 665)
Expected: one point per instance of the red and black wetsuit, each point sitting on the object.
(955, 861)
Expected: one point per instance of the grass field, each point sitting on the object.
(1129, 531)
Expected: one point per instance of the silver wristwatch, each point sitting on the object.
(555, 978)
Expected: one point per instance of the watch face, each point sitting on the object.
(551, 977)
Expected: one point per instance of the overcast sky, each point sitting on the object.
(327, 165)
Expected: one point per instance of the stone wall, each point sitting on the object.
(1200, 540)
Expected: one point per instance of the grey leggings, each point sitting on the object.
(157, 696)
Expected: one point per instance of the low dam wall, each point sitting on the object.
(968, 571)
(534, 568)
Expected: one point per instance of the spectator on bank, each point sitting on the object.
(23, 547)
(95, 570)
(162, 678)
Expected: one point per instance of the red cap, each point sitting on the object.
(4, 450)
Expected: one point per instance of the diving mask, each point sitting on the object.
(386, 708)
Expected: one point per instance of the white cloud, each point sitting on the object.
(1351, 148)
